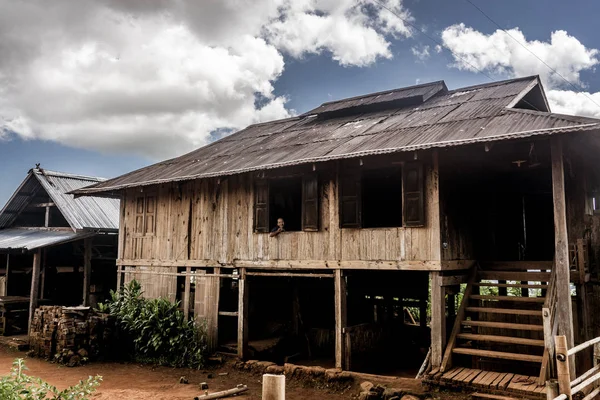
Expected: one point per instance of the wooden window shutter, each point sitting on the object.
(150, 215)
(413, 196)
(350, 201)
(310, 203)
(139, 214)
(261, 206)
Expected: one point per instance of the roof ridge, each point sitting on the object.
(495, 83)
(421, 85)
(48, 172)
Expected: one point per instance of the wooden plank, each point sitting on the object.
(462, 374)
(452, 373)
(498, 354)
(471, 376)
(508, 311)
(563, 370)
(186, 292)
(432, 214)
(394, 265)
(515, 265)
(564, 312)
(487, 396)
(438, 320)
(480, 378)
(243, 307)
(503, 325)
(460, 315)
(503, 384)
(516, 276)
(35, 285)
(510, 298)
(507, 285)
(87, 270)
(340, 317)
(500, 339)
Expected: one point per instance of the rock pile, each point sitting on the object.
(71, 335)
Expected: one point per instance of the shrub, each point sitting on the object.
(19, 386)
(158, 331)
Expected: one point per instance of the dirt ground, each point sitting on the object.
(122, 381)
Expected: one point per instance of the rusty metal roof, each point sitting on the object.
(440, 118)
(92, 212)
(31, 239)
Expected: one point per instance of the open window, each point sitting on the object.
(294, 199)
(383, 198)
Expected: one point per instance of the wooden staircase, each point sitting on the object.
(500, 326)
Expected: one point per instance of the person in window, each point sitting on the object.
(278, 229)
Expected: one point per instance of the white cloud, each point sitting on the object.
(156, 77)
(499, 53)
(421, 52)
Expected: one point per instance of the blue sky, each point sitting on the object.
(101, 143)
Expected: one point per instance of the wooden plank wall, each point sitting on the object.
(212, 219)
(153, 285)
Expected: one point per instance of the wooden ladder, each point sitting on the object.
(500, 316)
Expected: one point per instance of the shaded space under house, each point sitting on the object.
(54, 249)
(422, 224)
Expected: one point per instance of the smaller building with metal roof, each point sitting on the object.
(54, 247)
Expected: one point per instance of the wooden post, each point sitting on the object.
(186, 292)
(87, 270)
(562, 366)
(340, 317)
(119, 277)
(35, 285)
(551, 389)
(583, 299)
(273, 387)
(7, 273)
(438, 319)
(242, 346)
(561, 242)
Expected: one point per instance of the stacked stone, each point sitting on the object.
(43, 330)
(71, 335)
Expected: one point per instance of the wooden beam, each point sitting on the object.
(392, 265)
(87, 270)
(438, 319)
(340, 317)
(186, 292)
(561, 244)
(214, 290)
(243, 303)
(47, 218)
(42, 205)
(35, 285)
(7, 273)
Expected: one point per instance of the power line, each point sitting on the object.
(530, 51)
(407, 22)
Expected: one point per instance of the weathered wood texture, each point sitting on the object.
(561, 261)
(212, 219)
(154, 286)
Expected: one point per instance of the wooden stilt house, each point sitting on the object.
(462, 222)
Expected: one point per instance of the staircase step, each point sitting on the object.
(498, 354)
(515, 276)
(500, 339)
(503, 325)
(509, 298)
(510, 311)
(515, 285)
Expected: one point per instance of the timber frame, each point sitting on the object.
(499, 221)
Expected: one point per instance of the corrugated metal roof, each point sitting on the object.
(448, 118)
(30, 239)
(96, 213)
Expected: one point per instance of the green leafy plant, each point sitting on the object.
(158, 331)
(102, 308)
(20, 386)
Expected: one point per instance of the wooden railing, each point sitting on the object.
(550, 323)
(569, 385)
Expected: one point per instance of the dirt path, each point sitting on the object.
(137, 382)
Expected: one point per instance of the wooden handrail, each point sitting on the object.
(550, 323)
(568, 387)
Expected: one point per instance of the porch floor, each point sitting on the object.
(487, 381)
